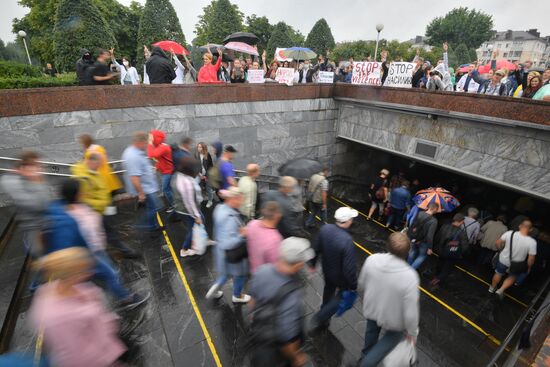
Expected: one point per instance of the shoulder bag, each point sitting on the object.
(516, 267)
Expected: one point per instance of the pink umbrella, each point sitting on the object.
(242, 47)
(501, 64)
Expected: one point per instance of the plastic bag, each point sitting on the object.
(403, 355)
(200, 239)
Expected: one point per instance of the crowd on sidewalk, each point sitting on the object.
(259, 241)
(521, 80)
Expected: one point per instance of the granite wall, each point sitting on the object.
(510, 155)
(267, 132)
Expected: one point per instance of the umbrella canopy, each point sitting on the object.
(172, 46)
(241, 47)
(301, 168)
(245, 37)
(299, 53)
(447, 202)
(212, 46)
(501, 64)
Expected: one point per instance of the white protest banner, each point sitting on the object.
(285, 76)
(367, 73)
(255, 76)
(326, 77)
(400, 75)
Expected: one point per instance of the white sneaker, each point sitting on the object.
(500, 294)
(214, 292)
(492, 290)
(185, 253)
(209, 203)
(244, 298)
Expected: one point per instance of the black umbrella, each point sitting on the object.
(301, 168)
(249, 38)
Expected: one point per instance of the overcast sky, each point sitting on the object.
(349, 19)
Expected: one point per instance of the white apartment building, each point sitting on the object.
(518, 46)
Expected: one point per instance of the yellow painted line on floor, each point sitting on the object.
(433, 253)
(191, 296)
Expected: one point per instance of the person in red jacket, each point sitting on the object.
(162, 154)
(208, 73)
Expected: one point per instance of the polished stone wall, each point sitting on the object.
(514, 156)
(267, 132)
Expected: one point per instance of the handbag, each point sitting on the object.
(452, 248)
(239, 252)
(516, 267)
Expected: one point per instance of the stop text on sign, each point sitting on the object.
(366, 73)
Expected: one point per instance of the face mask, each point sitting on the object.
(87, 57)
(125, 63)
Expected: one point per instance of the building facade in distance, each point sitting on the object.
(518, 46)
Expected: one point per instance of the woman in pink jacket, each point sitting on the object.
(78, 329)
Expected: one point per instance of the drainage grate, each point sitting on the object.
(425, 149)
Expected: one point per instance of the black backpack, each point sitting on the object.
(264, 316)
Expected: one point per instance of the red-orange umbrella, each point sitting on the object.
(172, 46)
(501, 64)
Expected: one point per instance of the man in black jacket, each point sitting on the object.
(421, 234)
(82, 65)
(159, 68)
(335, 245)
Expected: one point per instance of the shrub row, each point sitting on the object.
(63, 80)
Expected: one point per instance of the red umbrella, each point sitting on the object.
(501, 64)
(172, 46)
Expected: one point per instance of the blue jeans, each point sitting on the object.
(152, 206)
(418, 253)
(167, 189)
(376, 350)
(396, 217)
(316, 209)
(104, 271)
(238, 283)
(189, 222)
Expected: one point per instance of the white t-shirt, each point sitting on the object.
(522, 247)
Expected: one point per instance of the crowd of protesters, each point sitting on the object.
(162, 67)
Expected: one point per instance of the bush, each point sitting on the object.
(13, 69)
(63, 80)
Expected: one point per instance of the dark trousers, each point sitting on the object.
(112, 236)
(331, 300)
(444, 268)
(396, 217)
(268, 355)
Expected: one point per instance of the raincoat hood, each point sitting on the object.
(388, 263)
(84, 51)
(158, 137)
(158, 51)
(219, 148)
(440, 69)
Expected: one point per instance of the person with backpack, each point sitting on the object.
(379, 193)
(451, 240)
(277, 308)
(516, 257)
(471, 227)
(161, 152)
(421, 233)
(317, 197)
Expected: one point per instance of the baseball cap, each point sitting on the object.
(344, 214)
(230, 149)
(294, 250)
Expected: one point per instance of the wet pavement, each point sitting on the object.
(171, 329)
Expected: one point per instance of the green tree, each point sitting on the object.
(320, 37)
(279, 38)
(473, 55)
(461, 25)
(158, 22)
(79, 23)
(462, 54)
(220, 18)
(261, 27)
(356, 49)
(2, 50)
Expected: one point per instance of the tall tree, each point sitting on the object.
(461, 25)
(2, 50)
(356, 49)
(279, 38)
(158, 22)
(320, 37)
(462, 54)
(79, 23)
(261, 27)
(219, 19)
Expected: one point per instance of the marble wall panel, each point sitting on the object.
(286, 143)
(19, 139)
(73, 118)
(34, 122)
(238, 134)
(273, 131)
(173, 125)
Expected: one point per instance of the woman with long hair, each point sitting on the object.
(534, 84)
(205, 159)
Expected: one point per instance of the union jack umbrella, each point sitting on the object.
(447, 202)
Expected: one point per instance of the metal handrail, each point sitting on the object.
(504, 345)
(41, 162)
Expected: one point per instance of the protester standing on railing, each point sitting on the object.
(467, 83)
(159, 68)
(146, 56)
(82, 66)
(208, 73)
(179, 69)
(140, 180)
(532, 87)
(128, 73)
(99, 73)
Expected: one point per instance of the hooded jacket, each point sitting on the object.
(81, 65)
(161, 153)
(159, 69)
(61, 230)
(391, 293)
(93, 187)
(445, 80)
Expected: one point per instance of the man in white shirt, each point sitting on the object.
(467, 83)
(523, 247)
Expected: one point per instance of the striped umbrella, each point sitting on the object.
(447, 202)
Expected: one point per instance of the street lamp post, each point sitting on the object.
(23, 35)
(379, 28)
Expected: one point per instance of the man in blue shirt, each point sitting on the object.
(400, 198)
(227, 171)
(140, 180)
